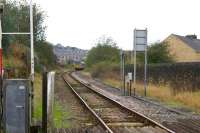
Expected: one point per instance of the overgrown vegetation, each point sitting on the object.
(16, 19)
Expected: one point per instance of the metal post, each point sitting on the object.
(32, 40)
(145, 69)
(121, 69)
(130, 87)
(124, 86)
(135, 59)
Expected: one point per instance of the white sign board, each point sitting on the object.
(130, 77)
(140, 48)
(140, 40)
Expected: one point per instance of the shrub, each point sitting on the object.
(105, 51)
(104, 69)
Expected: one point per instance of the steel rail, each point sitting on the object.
(147, 119)
(88, 107)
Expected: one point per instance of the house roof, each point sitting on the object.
(191, 42)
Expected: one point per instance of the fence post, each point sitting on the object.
(44, 102)
(50, 101)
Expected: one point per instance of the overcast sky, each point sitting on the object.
(80, 23)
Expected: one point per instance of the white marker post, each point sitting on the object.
(140, 45)
(32, 41)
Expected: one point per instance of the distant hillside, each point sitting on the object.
(69, 54)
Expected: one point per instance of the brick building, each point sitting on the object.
(184, 48)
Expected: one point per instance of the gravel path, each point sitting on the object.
(190, 123)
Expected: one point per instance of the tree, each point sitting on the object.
(157, 53)
(105, 51)
(16, 19)
(45, 54)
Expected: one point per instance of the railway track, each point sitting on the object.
(73, 114)
(114, 117)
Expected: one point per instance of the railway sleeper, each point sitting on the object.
(125, 124)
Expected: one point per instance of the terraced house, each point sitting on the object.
(184, 48)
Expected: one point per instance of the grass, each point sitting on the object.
(162, 93)
(61, 116)
(38, 98)
(59, 112)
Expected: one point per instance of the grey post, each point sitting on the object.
(135, 59)
(121, 70)
(145, 69)
(123, 58)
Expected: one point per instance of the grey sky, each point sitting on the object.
(80, 23)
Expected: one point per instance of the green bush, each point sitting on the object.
(99, 70)
(156, 53)
(106, 51)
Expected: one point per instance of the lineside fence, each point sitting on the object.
(179, 76)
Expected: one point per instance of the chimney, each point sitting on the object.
(191, 36)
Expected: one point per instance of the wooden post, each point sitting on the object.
(44, 102)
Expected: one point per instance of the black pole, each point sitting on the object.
(44, 103)
(130, 86)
